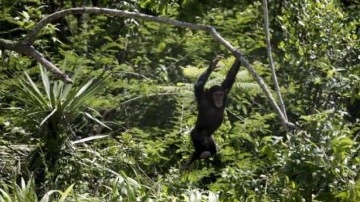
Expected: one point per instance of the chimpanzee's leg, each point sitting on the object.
(208, 147)
(212, 145)
(204, 146)
(200, 143)
(197, 140)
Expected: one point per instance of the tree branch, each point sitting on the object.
(271, 61)
(31, 52)
(264, 87)
(107, 11)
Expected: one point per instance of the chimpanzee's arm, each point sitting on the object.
(230, 77)
(200, 82)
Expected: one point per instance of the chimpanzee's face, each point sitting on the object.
(218, 98)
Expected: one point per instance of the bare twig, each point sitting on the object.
(145, 96)
(264, 87)
(271, 61)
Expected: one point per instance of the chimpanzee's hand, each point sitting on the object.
(215, 61)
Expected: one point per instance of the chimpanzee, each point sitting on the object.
(211, 107)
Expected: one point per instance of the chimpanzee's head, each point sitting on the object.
(216, 94)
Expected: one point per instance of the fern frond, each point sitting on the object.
(184, 88)
(244, 76)
(192, 72)
(250, 87)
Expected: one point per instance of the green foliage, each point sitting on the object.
(23, 192)
(51, 110)
(147, 100)
(60, 103)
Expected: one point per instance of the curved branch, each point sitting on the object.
(107, 11)
(30, 38)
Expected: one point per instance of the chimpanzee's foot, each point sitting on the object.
(205, 155)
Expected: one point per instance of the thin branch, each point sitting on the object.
(146, 96)
(268, 94)
(271, 61)
(11, 30)
(132, 73)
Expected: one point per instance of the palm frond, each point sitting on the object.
(46, 81)
(30, 91)
(57, 99)
(48, 116)
(97, 120)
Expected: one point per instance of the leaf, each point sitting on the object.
(246, 136)
(5, 194)
(33, 85)
(97, 120)
(25, 15)
(301, 23)
(89, 139)
(47, 195)
(48, 116)
(195, 196)
(342, 143)
(84, 88)
(66, 193)
(213, 197)
(45, 80)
